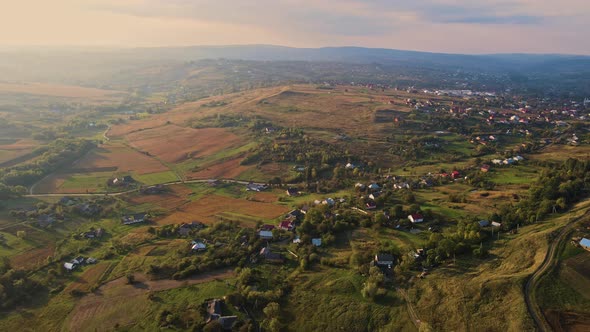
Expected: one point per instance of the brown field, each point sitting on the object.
(229, 169)
(56, 90)
(171, 200)
(121, 157)
(562, 152)
(31, 258)
(89, 278)
(265, 197)
(174, 144)
(17, 150)
(53, 183)
(207, 209)
(20, 145)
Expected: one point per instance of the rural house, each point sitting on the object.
(271, 257)
(416, 218)
(292, 192)
(92, 234)
(286, 225)
(384, 260)
(215, 312)
(134, 218)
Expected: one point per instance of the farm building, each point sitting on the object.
(483, 223)
(265, 235)
(585, 243)
(134, 218)
(198, 246)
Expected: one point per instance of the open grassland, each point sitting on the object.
(127, 305)
(321, 114)
(230, 169)
(92, 172)
(466, 295)
(74, 183)
(59, 90)
(330, 300)
(563, 152)
(89, 278)
(472, 203)
(208, 209)
(564, 294)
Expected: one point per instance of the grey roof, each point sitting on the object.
(227, 322)
(384, 257)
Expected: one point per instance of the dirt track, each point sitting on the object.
(548, 264)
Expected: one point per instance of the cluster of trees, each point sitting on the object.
(228, 245)
(16, 288)
(555, 190)
(56, 155)
(321, 222)
(465, 239)
(291, 145)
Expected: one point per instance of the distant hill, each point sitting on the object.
(125, 66)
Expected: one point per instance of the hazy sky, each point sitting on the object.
(457, 26)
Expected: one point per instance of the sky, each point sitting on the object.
(452, 26)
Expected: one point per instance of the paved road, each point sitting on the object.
(548, 263)
(134, 190)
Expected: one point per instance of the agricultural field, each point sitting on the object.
(59, 90)
(174, 144)
(360, 161)
(213, 208)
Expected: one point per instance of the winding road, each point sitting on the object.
(547, 265)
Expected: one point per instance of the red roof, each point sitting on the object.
(286, 224)
(267, 227)
(417, 216)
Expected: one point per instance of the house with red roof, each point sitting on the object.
(416, 218)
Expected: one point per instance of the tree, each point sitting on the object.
(130, 279)
(213, 326)
(272, 310)
(21, 234)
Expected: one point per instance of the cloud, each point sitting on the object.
(432, 25)
(483, 19)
